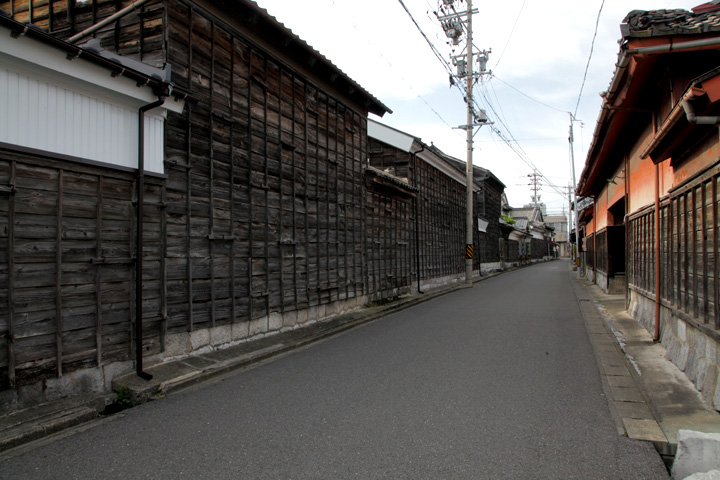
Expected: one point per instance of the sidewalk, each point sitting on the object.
(650, 398)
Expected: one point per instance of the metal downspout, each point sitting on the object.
(626, 222)
(690, 111)
(595, 243)
(139, 241)
(656, 334)
(417, 221)
(110, 19)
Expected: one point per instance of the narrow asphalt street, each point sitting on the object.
(498, 381)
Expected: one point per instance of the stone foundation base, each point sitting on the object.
(88, 380)
(687, 346)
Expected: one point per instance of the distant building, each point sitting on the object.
(533, 235)
(559, 224)
(438, 209)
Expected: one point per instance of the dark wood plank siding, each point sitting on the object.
(272, 166)
(441, 213)
(139, 34)
(688, 249)
(68, 246)
(488, 207)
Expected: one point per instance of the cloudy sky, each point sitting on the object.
(540, 50)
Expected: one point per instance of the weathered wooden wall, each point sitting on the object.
(67, 260)
(265, 190)
(488, 207)
(689, 246)
(512, 251)
(389, 243)
(441, 209)
(538, 248)
(139, 35)
(441, 213)
(264, 210)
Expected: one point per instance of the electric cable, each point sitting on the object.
(592, 47)
(512, 31)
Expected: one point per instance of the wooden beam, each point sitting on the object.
(11, 276)
(58, 277)
(98, 272)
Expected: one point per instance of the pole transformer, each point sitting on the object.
(451, 21)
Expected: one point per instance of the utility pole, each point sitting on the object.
(571, 140)
(535, 189)
(569, 223)
(469, 233)
(451, 21)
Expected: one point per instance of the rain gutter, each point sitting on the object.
(622, 64)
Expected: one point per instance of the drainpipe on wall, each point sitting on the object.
(139, 241)
(687, 107)
(690, 111)
(417, 222)
(627, 230)
(595, 214)
(656, 334)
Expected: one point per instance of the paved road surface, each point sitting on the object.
(494, 382)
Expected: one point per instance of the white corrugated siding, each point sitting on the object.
(40, 115)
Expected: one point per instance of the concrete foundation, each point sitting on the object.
(688, 346)
(697, 452)
(88, 380)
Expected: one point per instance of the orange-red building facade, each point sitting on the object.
(652, 173)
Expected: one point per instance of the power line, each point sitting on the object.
(518, 150)
(512, 31)
(528, 96)
(592, 47)
(432, 46)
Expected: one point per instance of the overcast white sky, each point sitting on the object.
(540, 48)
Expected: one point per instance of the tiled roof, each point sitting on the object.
(661, 23)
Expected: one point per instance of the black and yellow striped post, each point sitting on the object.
(469, 252)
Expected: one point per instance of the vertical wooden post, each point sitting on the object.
(98, 271)
(51, 16)
(58, 276)
(694, 252)
(656, 241)
(266, 193)
(336, 226)
(141, 33)
(293, 127)
(703, 212)
(233, 245)
(188, 181)
(11, 275)
(305, 197)
(716, 251)
(676, 250)
(211, 227)
(251, 220)
(163, 266)
(281, 245)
